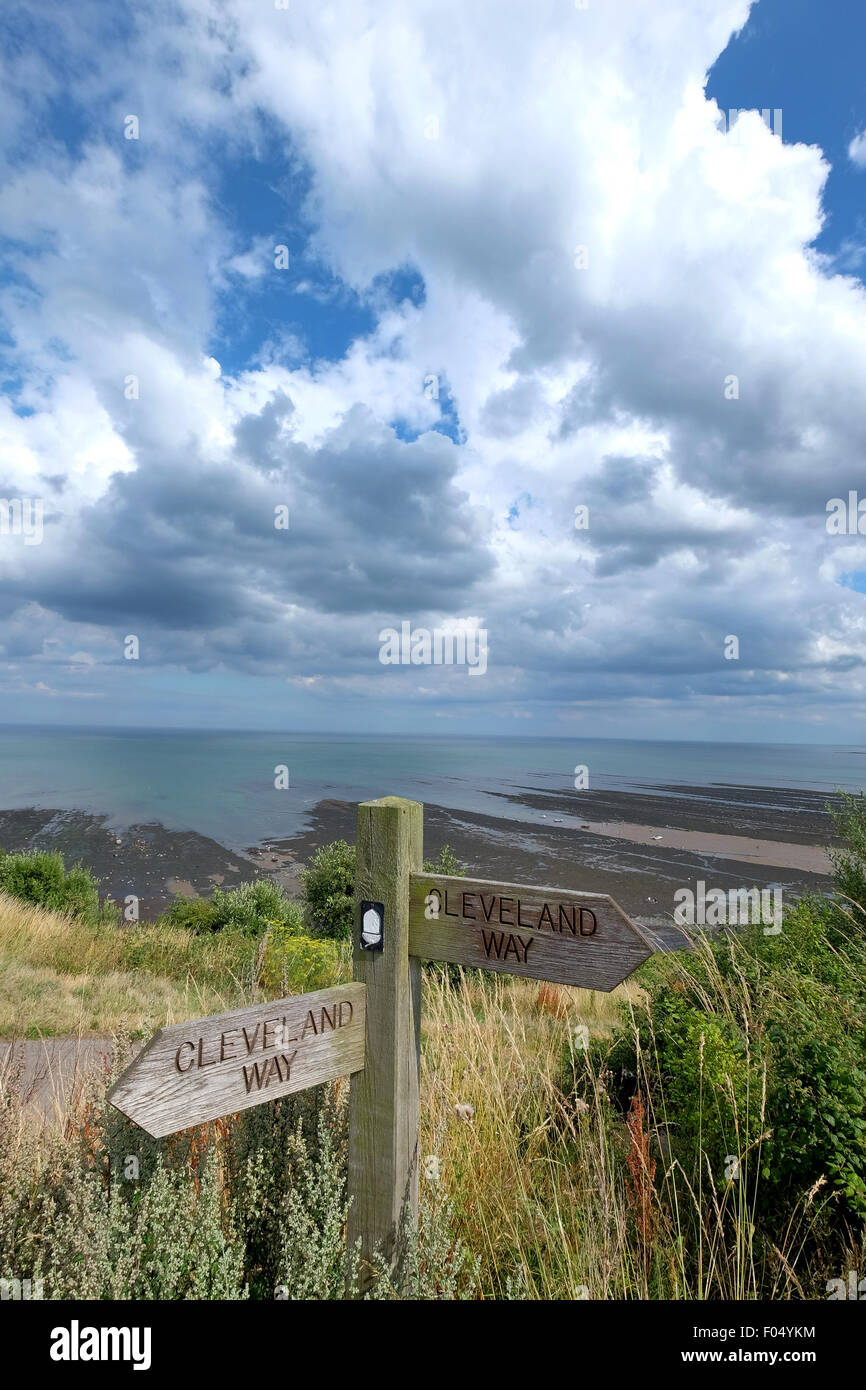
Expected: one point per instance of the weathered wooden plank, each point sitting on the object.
(192, 1072)
(383, 1101)
(543, 933)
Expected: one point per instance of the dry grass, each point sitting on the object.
(560, 1193)
(60, 977)
(535, 1186)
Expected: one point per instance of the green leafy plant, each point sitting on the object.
(194, 914)
(849, 861)
(41, 878)
(447, 863)
(247, 909)
(751, 1051)
(328, 888)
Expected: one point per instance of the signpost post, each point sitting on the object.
(371, 1029)
(383, 1101)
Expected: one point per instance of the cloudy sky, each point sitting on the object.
(433, 275)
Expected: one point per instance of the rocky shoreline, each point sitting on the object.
(638, 847)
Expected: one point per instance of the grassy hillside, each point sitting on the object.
(60, 975)
(68, 965)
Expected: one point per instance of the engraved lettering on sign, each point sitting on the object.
(264, 1037)
(566, 936)
(261, 1074)
(503, 944)
(565, 918)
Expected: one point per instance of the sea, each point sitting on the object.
(243, 789)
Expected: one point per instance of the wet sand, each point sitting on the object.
(778, 852)
(776, 814)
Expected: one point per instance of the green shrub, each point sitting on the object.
(251, 906)
(195, 914)
(41, 878)
(849, 862)
(328, 887)
(247, 909)
(167, 1238)
(750, 1052)
(447, 863)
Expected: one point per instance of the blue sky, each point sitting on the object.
(806, 59)
(436, 380)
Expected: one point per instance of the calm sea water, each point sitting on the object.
(222, 784)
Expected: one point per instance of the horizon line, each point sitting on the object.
(353, 734)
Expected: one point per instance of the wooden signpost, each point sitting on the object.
(371, 1029)
(544, 933)
(193, 1072)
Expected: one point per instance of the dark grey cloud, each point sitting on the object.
(377, 526)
